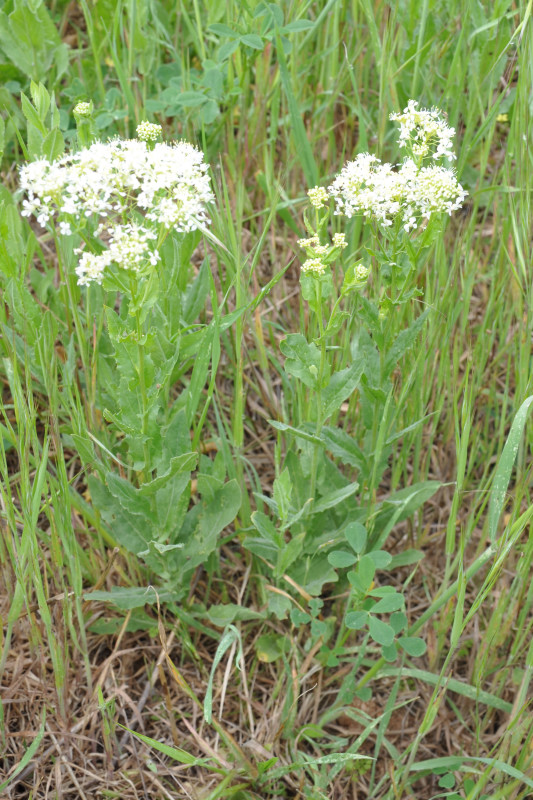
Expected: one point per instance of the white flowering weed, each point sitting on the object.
(413, 192)
(128, 190)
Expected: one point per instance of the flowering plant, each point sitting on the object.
(332, 520)
(128, 193)
(130, 213)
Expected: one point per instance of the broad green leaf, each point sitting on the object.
(53, 144)
(412, 645)
(128, 496)
(356, 536)
(302, 359)
(334, 498)
(129, 530)
(398, 621)
(356, 620)
(222, 615)
(270, 646)
(178, 464)
(380, 558)
(127, 597)
(403, 342)
(266, 528)
(341, 558)
(381, 632)
(388, 604)
(341, 385)
(343, 446)
(196, 295)
(253, 40)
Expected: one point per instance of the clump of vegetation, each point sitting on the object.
(264, 423)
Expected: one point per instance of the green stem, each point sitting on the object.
(147, 470)
(319, 419)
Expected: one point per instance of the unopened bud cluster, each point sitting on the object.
(148, 131)
(319, 256)
(83, 110)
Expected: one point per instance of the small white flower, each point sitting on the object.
(422, 130)
(65, 229)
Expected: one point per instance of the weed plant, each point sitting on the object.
(265, 501)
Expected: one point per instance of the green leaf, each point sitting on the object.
(502, 474)
(390, 652)
(356, 536)
(128, 496)
(178, 464)
(253, 40)
(406, 558)
(222, 615)
(381, 632)
(222, 30)
(53, 145)
(297, 26)
(341, 558)
(283, 493)
(227, 49)
(380, 558)
(129, 530)
(297, 127)
(356, 620)
(302, 359)
(343, 446)
(266, 528)
(412, 645)
(298, 432)
(191, 99)
(403, 342)
(398, 621)
(366, 569)
(341, 385)
(127, 597)
(270, 646)
(196, 295)
(31, 41)
(334, 498)
(388, 604)
(175, 753)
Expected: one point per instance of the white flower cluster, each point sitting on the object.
(379, 192)
(424, 130)
(411, 193)
(108, 183)
(129, 248)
